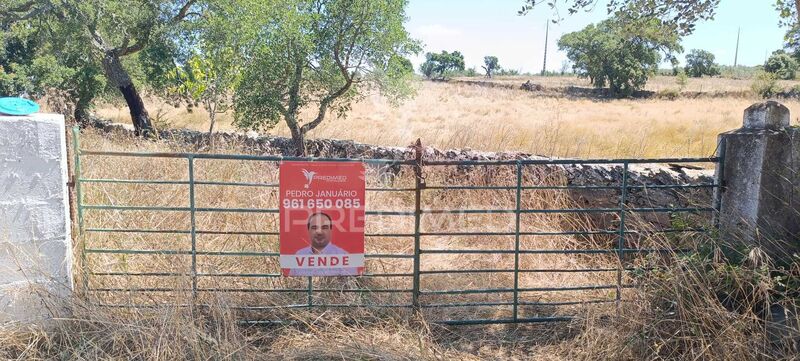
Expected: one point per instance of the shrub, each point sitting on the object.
(681, 79)
(782, 65)
(765, 84)
(669, 93)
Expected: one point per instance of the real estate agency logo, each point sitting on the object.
(311, 176)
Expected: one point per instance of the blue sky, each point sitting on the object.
(483, 27)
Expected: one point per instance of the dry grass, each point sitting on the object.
(459, 116)
(675, 313)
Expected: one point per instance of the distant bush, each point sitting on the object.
(782, 65)
(739, 72)
(470, 72)
(669, 93)
(681, 79)
(508, 72)
(765, 84)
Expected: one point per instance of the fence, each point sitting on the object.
(515, 257)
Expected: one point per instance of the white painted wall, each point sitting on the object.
(35, 243)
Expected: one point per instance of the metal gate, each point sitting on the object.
(463, 242)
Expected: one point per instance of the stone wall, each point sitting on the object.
(35, 243)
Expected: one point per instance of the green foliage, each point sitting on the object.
(700, 63)
(212, 72)
(765, 84)
(89, 46)
(682, 80)
(613, 55)
(738, 72)
(508, 72)
(34, 60)
(490, 65)
(468, 72)
(442, 65)
(318, 58)
(783, 65)
(788, 11)
(669, 93)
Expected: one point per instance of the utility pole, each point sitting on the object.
(546, 35)
(736, 56)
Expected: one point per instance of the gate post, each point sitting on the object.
(419, 184)
(759, 189)
(35, 242)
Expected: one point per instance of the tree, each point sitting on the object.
(790, 18)
(212, 71)
(318, 57)
(699, 63)
(782, 65)
(609, 54)
(205, 81)
(491, 65)
(29, 68)
(437, 66)
(92, 36)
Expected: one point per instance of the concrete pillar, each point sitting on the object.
(35, 244)
(760, 197)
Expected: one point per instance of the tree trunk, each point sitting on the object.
(81, 112)
(118, 76)
(797, 8)
(212, 116)
(299, 140)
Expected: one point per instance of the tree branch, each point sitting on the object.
(21, 8)
(139, 45)
(294, 97)
(183, 12)
(11, 15)
(797, 8)
(142, 41)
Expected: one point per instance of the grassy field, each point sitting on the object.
(457, 116)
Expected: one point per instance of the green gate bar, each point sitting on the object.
(518, 202)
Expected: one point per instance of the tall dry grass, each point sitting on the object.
(460, 116)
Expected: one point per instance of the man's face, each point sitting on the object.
(319, 231)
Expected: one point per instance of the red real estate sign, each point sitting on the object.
(322, 218)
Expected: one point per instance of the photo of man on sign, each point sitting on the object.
(322, 219)
(319, 233)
